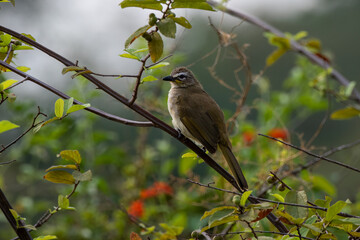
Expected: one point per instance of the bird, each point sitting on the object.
(197, 116)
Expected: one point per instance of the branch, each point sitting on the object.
(157, 122)
(18, 226)
(254, 199)
(294, 45)
(63, 95)
(312, 154)
(138, 80)
(33, 125)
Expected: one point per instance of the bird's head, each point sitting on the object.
(182, 77)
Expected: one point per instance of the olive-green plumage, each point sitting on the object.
(197, 116)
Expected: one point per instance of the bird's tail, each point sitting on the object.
(234, 166)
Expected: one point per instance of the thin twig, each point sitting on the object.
(138, 80)
(33, 125)
(63, 95)
(8, 162)
(271, 201)
(161, 60)
(267, 232)
(311, 154)
(294, 45)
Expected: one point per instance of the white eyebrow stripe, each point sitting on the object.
(180, 73)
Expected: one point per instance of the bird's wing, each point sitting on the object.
(201, 123)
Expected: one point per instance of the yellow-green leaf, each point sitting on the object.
(156, 46)
(86, 176)
(231, 218)
(7, 83)
(23, 68)
(72, 68)
(128, 55)
(59, 108)
(159, 65)
(6, 125)
(58, 176)
(47, 237)
(345, 113)
(71, 155)
(334, 210)
(149, 78)
(148, 4)
(274, 56)
(63, 202)
(167, 27)
(244, 197)
(136, 34)
(278, 197)
(300, 35)
(196, 4)
(214, 210)
(183, 22)
(75, 108)
(68, 166)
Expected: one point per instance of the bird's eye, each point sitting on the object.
(182, 77)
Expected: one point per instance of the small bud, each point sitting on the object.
(152, 19)
(195, 234)
(281, 187)
(271, 179)
(18, 43)
(147, 36)
(11, 97)
(236, 200)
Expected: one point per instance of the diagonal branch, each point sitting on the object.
(157, 122)
(63, 95)
(294, 45)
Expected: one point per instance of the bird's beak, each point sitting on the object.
(169, 78)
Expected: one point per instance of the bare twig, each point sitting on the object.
(267, 232)
(161, 60)
(8, 162)
(138, 80)
(294, 45)
(33, 125)
(311, 154)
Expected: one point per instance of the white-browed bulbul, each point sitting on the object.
(198, 117)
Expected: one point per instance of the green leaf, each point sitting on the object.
(47, 237)
(37, 128)
(71, 155)
(183, 22)
(22, 47)
(159, 65)
(77, 107)
(68, 166)
(196, 4)
(6, 125)
(148, 4)
(63, 202)
(334, 210)
(71, 69)
(320, 182)
(214, 210)
(83, 177)
(23, 68)
(298, 197)
(149, 78)
(244, 198)
(173, 230)
(349, 88)
(278, 197)
(58, 176)
(345, 113)
(59, 108)
(29, 226)
(68, 103)
(156, 46)
(227, 219)
(28, 36)
(308, 225)
(300, 35)
(187, 162)
(128, 55)
(167, 27)
(5, 40)
(7, 83)
(274, 56)
(136, 34)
